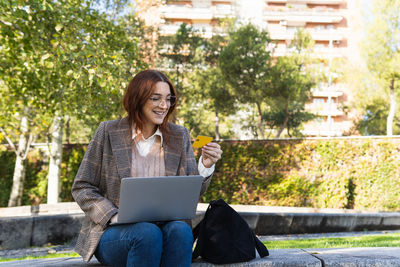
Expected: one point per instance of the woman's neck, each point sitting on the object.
(148, 130)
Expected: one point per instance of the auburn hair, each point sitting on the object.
(138, 92)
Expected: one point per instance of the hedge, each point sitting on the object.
(354, 173)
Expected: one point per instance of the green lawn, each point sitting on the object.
(381, 240)
(60, 255)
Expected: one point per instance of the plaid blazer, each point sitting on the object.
(107, 160)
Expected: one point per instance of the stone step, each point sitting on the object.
(335, 257)
(48, 225)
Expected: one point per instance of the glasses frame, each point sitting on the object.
(170, 101)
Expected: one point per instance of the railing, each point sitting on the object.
(323, 2)
(333, 35)
(303, 15)
(205, 31)
(326, 109)
(179, 11)
(317, 52)
(326, 129)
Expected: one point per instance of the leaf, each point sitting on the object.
(59, 27)
(44, 57)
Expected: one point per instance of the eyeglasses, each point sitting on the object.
(169, 101)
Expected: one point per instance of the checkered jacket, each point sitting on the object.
(107, 160)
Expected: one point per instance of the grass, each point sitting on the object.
(56, 255)
(381, 240)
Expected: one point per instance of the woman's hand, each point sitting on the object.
(211, 154)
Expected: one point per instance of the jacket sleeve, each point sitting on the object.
(189, 161)
(85, 189)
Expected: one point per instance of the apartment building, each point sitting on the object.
(202, 15)
(334, 25)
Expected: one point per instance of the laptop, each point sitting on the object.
(155, 199)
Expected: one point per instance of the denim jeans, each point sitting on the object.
(166, 244)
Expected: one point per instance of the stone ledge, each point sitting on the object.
(73, 208)
(47, 226)
(339, 257)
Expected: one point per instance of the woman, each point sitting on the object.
(142, 144)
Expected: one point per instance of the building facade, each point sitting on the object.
(334, 25)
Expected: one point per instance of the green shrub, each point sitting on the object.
(321, 173)
(7, 162)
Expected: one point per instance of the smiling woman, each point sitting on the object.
(143, 144)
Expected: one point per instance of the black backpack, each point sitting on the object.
(225, 237)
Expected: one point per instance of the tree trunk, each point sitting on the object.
(260, 124)
(285, 122)
(67, 130)
(53, 186)
(216, 125)
(20, 166)
(390, 117)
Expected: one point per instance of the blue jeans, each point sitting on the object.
(146, 244)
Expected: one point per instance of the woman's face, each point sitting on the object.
(156, 108)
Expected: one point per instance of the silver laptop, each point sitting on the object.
(153, 199)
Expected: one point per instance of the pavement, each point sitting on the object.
(343, 257)
(338, 257)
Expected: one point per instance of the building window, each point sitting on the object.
(318, 101)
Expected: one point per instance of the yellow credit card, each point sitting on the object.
(201, 141)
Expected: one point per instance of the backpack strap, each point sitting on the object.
(196, 231)
(198, 234)
(262, 250)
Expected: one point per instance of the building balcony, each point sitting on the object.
(322, 2)
(326, 129)
(327, 93)
(333, 35)
(314, 16)
(196, 13)
(323, 90)
(169, 29)
(185, 12)
(204, 30)
(321, 132)
(326, 109)
(317, 53)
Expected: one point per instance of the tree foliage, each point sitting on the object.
(278, 88)
(63, 58)
(382, 49)
(245, 63)
(291, 82)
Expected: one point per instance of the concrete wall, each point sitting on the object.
(60, 223)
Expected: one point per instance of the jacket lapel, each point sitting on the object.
(172, 152)
(121, 145)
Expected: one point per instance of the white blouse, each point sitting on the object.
(144, 145)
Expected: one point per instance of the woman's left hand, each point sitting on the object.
(211, 154)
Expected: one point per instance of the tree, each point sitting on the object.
(209, 82)
(20, 87)
(292, 89)
(382, 48)
(180, 54)
(108, 57)
(291, 83)
(64, 58)
(245, 63)
(216, 94)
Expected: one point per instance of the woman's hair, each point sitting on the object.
(139, 90)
